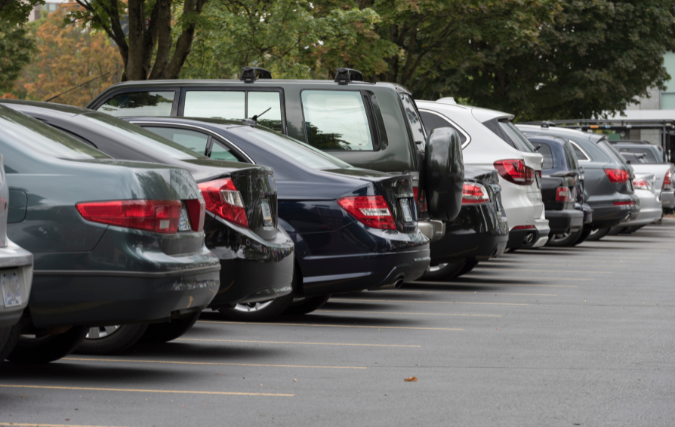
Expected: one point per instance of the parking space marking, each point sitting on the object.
(473, 293)
(560, 271)
(172, 362)
(303, 343)
(425, 302)
(47, 425)
(530, 278)
(331, 326)
(137, 390)
(401, 312)
(496, 284)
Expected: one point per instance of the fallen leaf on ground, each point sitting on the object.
(410, 380)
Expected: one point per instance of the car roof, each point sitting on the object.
(560, 131)
(549, 138)
(480, 114)
(259, 82)
(52, 106)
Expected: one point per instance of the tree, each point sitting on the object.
(16, 47)
(148, 51)
(15, 12)
(66, 57)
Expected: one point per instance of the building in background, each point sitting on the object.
(49, 7)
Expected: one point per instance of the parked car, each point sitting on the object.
(114, 242)
(650, 206)
(560, 181)
(16, 276)
(646, 158)
(241, 225)
(608, 178)
(490, 140)
(368, 125)
(354, 229)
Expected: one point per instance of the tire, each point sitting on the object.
(597, 234)
(306, 305)
(468, 266)
(115, 339)
(565, 240)
(47, 349)
(158, 333)
(613, 231)
(584, 235)
(8, 338)
(443, 272)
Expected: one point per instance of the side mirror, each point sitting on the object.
(444, 174)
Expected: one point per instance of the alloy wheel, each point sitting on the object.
(99, 332)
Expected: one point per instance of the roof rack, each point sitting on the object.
(249, 74)
(547, 124)
(345, 75)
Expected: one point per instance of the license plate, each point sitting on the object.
(407, 214)
(184, 221)
(11, 289)
(267, 213)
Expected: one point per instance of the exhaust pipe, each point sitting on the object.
(528, 239)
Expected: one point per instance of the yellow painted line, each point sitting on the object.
(136, 390)
(402, 312)
(495, 284)
(170, 362)
(504, 276)
(331, 326)
(471, 293)
(46, 425)
(425, 302)
(298, 342)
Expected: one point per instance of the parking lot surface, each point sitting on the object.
(559, 337)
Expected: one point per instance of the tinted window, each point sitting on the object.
(195, 141)
(611, 152)
(139, 104)
(223, 104)
(634, 157)
(571, 157)
(545, 150)
(258, 102)
(221, 152)
(519, 140)
(649, 153)
(289, 147)
(433, 121)
(414, 119)
(336, 120)
(580, 154)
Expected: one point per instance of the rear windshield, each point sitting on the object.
(142, 137)
(612, 153)
(545, 150)
(44, 138)
(648, 152)
(510, 134)
(633, 158)
(289, 147)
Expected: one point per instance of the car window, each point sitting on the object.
(221, 152)
(336, 120)
(611, 152)
(633, 157)
(195, 141)
(289, 147)
(222, 104)
(519, 140)
(496, 128)
(433, 121)
(571, 156)
(44, 138)
(649, 154)
(580, 154)
(258, 102)
(545, 150)
(157, 103)
(414, 120)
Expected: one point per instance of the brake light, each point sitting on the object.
(421, 199)
(523, 227)
(160, 216)
(473, 193)
(641, 184)
(562, 194)
(372, 211)
(617, 176)
(224, 200)
(667, 183)
(626, 203)
(196, 210)
(515, 171)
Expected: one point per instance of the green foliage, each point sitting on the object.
(16, 48)
(15, 12)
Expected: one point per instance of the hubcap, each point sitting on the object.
(98, 332)
(253, 307)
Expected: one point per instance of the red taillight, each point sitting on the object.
(224, 200)
(641, 184)
(617, 176)
(160, 216)
(515, 171)
(523, 227)
(372, 211)
(667, 183)
(626, 203)
(195, 209)
(421, 199)
(562, 194)
(473, 193)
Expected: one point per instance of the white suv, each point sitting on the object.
(490, 139)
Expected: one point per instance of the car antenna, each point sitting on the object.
(89, 81)
(255, 118)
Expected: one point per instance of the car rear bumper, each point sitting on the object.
(609, 215)
(529, 237)
(15, 259)
(650, 210)
(565, 221)
(667, 199)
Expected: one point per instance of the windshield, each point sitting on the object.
(44, 138)
(304, 153)
(143, 137)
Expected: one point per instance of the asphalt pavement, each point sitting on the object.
(549, 337)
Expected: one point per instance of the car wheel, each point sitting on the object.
(583, 236)
(468, 266)
(565, 239)
(8, 338)
(613, 231)
(111, 339)
(597, 234)
(442, 272)
(34, 349)
(304, 305)
(158, 333)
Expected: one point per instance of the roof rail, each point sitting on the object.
(546, 124)
(248, 74)
(345, 75)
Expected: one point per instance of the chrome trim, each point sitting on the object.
(580, 149)
(139, 274)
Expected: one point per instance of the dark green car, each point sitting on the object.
(114, 242)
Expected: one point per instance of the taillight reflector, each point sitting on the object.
(515, 171)
(641, 184)
(196, 208)
(421, 199)
(667, 183)
(474, 193)
(224, 200)
(626, 203)
(617, 176)
(372, 211)
(160, 216)
(523, 227)
(562, 194)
